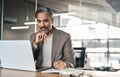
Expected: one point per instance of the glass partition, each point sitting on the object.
(16, 13)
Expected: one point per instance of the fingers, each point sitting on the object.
(59, 64)
(40, 37)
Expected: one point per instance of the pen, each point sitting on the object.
(59, 57)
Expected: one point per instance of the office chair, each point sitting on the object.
(79, 55)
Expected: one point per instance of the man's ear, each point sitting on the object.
(52, 20)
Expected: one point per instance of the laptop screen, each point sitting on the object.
(17, 54)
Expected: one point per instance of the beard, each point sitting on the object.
(45, 29)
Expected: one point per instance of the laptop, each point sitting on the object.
(17, 54)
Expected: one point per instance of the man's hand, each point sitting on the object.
(59, 64)
(40, 37)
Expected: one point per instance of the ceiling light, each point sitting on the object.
(30, 23)
(20, 27)
(69, 13)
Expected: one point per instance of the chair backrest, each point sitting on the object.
(79, 55)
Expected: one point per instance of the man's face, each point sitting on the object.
(44, 22)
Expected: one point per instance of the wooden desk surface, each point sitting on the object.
(17, 73)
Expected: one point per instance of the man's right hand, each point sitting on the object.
(40, 36)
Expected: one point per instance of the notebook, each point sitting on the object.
(17, 54)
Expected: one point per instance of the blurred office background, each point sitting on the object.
(94, 24)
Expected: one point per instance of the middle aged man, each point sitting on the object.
(51, 47)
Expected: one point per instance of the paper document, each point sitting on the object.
(51, 71)
(72, 71)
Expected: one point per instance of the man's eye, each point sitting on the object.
(38, 21)
(45, 20)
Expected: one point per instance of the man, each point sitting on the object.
(51, 47)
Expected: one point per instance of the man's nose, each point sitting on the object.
(42, 24)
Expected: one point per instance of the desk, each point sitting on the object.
(17, 73)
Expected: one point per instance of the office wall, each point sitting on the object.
(1, 6)
(16, 12)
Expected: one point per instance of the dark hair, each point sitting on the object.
(44, 10)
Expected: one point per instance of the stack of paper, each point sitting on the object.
(70, 71)
(51, 71)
